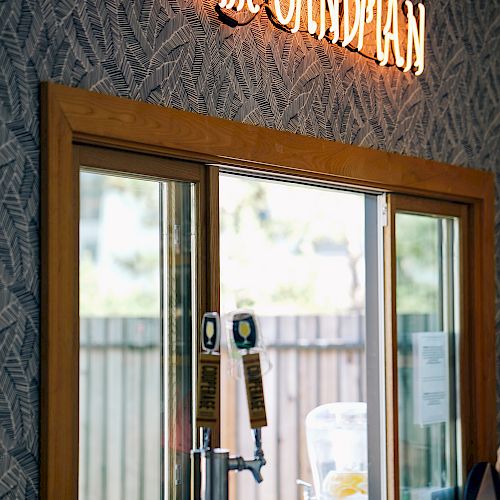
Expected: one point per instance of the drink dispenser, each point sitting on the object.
(337, 445)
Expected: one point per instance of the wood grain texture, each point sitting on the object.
(481, 308)
(138, 165)
(177, 53)
(213, 238)
(208, 139)
(208, 391)
(213, 260)
(59, 328)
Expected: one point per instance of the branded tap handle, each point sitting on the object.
(210, 332)
(255, 392)
(246, 347)
(208, 393)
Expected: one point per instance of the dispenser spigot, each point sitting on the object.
(308, 489)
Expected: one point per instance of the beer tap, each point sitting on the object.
(207, 407)
(245, 337)
(210, 341)
(254, 465)
(210, 467)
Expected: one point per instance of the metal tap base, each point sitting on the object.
(210, 472)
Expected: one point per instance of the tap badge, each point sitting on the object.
(210, 332)
(244, 331)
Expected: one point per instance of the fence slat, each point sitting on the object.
(267, 489)
(286, 427)
(123, 415)
(309, 389)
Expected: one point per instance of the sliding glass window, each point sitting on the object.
(299, 255)
(428, 330)
(137, 296)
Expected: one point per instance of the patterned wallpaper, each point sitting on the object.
(176, 53)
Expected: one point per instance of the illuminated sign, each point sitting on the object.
(386, 31)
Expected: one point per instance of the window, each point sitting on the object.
(295, 254)
(424, 288)
(426, 337)
(138, 311)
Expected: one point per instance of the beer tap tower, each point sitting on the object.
(210, 466)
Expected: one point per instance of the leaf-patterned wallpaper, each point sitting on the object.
(176, 53)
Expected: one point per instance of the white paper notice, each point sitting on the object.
(430, 377)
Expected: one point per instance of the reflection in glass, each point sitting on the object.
(427, 309)
(295, 255)
(179, 310)
(135, 312)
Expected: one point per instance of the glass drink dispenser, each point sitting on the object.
(337, 445)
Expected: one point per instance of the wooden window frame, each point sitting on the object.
(413, 205)
(154, 168)
(74, 116)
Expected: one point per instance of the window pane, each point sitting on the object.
(295, 255)
(136, 260)
(427, 287)
(120, 338)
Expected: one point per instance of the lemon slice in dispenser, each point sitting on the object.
(346, 484)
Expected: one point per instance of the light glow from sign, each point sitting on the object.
(387, 31)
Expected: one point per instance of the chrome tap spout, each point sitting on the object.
(254, 465)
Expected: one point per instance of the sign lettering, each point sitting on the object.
(255, 391)
(207, 414)
(387, 31)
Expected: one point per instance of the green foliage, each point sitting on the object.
(290, 249)
(281, 245)
(417, 264)
(129, 302)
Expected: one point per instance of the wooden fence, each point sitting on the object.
(315, 360)
(120, 409)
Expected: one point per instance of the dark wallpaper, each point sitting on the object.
(177, 54)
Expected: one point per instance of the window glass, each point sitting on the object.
(137, 252)
(427, 335)
(295, 255)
